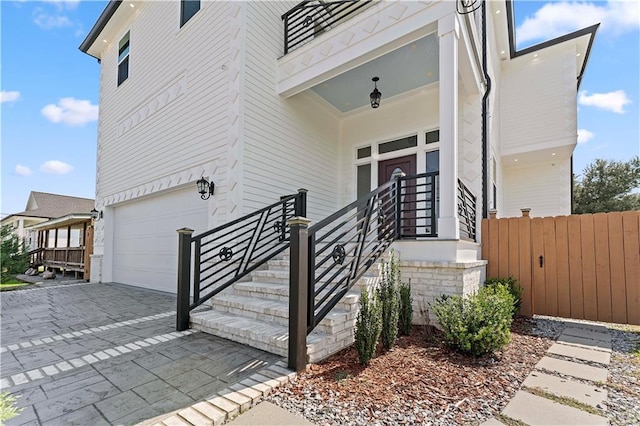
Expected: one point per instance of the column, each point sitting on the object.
(448, 34)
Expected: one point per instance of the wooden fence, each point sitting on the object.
(578, 266)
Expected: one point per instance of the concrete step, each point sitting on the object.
(535, 410)
(267, 336)
(278, 312)
(573, 369)
(583, 354)
(280, 292)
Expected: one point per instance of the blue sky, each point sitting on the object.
(50, 89)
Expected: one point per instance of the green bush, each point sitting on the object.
(477, 324)
(514, 288)
(389, 296)
(368, 326)
(406, 309)
(14, 257)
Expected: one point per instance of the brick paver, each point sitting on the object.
(107, 354)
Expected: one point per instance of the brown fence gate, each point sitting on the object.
(579, 266)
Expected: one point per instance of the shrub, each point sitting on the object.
(513, 287)
(479, 323)
(368, 326)
(389, 296)
(406, 309)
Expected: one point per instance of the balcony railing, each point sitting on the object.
(466, 212)
(311, 18)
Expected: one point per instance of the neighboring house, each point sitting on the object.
(55, 229)
(263, 98)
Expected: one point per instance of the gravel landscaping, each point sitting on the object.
(422, 382)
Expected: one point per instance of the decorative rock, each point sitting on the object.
(48, 275)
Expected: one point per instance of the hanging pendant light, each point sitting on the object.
(375, 95)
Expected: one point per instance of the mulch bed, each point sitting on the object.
(420, 380)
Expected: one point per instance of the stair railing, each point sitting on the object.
(228, 253)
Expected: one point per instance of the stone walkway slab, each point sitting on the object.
(587, 394)
(573, 369)
(587, 334)
(580, 353)
(534, 410)
(586, 326)
(585, 343)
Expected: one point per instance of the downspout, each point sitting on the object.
(485, 116)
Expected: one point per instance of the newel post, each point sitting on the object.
(298, 292)
(184, 278)
(301, 203)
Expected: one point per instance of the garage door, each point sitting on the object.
(145, 238)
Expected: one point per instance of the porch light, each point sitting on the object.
(95, 214)
(375, 95)
(205, 188)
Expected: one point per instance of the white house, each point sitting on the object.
(262, 98)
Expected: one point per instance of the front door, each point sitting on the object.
(408, 210)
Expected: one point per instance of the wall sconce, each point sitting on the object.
(96, 215)
(375, 95)
(205, 188)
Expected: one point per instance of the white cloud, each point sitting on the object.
(64, 4)
(612, 101)
(9, 96)
(56, 167)
(584, 135)
(22, 170)
(47, 21)
(558, 18)
(71, 111)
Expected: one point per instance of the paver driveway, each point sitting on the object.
(93, 354)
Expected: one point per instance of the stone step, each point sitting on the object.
(270, 337)
(587, 394)
(580, 353)
(535, 410)
(280, 292)
(573, 369)
(278, 311)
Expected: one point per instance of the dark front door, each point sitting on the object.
(408, 205)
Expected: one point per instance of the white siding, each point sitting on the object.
(191, 127)
(544, 188)
(538, 101)
(288, 143)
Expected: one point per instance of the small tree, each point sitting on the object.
(608, 185)
(389, 294)
(14, 257)
(406, 309)
(368, 325)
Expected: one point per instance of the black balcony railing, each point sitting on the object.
(311, 18)
(466, 212)
(225, 254)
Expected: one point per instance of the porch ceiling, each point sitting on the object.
(402, 70)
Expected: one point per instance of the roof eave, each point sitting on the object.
(97, 28)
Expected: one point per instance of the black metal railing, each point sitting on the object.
(225, 254)
(311, 18)
(466, 212)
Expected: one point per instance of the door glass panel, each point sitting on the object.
(364, 180)
(398, 144)
(433, 161)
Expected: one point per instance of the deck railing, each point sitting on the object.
(466, 212)
(311, 18)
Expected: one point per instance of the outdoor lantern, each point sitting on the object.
(205, 188)
(95, 214)
(375, 95)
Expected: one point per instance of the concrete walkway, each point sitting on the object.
(96, 354)
(564, 387)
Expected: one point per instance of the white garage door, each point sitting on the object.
(145, 245)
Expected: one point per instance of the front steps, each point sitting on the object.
(256, 313)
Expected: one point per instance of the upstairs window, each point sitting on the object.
(123, 59)
(188, 8)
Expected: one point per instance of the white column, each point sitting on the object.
(448, 33)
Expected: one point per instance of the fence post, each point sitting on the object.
(301, 203)
(298, 292)
(184, 278)
(525, 212)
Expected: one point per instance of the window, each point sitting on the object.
(123, 59)
(364, 152)
(433, 136)
(433, 161)
(363, 180)
(188, 8)
(398, 144)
